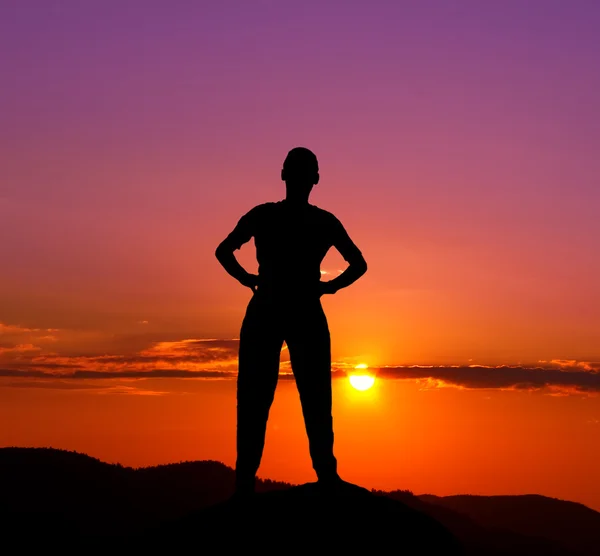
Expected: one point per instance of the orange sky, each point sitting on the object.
(429, 428)
(399, 434)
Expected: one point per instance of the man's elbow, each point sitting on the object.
(360, 265)
(221, 251)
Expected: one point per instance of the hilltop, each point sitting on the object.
(56, 495)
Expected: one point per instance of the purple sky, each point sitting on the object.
(458, 143)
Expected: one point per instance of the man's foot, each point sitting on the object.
(331, 484)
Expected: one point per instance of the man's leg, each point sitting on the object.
(310, 354)
(260, 348)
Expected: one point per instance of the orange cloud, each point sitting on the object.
(216, 359)
(197, 358)
(19, 348)
(574, 364)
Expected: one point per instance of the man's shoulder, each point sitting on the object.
(262, 206)
(277, 209)
(325, 215)
(261, 209)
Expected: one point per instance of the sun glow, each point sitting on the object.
(361, 380)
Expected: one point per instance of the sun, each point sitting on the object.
(361, 380)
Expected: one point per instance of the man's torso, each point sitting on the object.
(291, 242)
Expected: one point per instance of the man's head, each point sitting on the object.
(300, 169)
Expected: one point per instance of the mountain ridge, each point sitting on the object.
(51, 489)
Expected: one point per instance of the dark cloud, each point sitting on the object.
(51, 365)
(87, 374)
(25, 373)
(217, 359)
(152, 373)
(502, 377)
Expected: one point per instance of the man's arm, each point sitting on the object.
(357, 265)
(225, 251)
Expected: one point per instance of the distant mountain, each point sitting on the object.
(49, 495)
(569, 524)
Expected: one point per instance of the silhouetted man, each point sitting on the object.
(292, 237)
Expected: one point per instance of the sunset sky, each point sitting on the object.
(459, 144)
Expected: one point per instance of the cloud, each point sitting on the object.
(14, 334)
(554, 381)
(25, 363)
(18, 349)
(202, 350)
(16, 330)
(500, 377)
(82, 374)
(574, 364)
(96, 387)
(181, 358)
